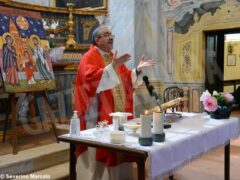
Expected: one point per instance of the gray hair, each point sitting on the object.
(96, 34)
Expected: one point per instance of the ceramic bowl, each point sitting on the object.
(132, 127)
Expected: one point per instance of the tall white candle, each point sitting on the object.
(158, 119)
(145, 130)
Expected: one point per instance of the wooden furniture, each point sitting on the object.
(141, 156)
(11, 109)
(200, 133)
(172, 93)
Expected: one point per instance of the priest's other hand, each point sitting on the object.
(118, 61)
(144, 64)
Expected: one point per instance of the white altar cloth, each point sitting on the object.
(189, 137)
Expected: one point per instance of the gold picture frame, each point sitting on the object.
(96, 4)
(47, 3)
(99, 11)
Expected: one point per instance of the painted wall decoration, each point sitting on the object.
(193, 14)
(176, 2)
(24, 55)
(186, 66)
(85, 25)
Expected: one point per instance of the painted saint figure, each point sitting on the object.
(28, 67)
(10, 60)
(39, 56)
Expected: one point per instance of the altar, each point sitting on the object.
(189, 137)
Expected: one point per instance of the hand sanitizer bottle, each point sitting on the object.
(75, 125)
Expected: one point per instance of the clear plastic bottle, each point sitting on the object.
(75, 125)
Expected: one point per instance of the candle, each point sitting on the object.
(145, 130)
(158, 119)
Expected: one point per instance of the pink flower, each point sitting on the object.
(210, 104)
(205, 95)
(229, 97)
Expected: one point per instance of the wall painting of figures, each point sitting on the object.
(25, 61)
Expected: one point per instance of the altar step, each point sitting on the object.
(57, 172)
(51, 160)
(62, 128)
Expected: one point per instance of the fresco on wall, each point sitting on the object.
(24, 56)
(188, 18)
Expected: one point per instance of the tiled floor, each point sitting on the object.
(211, 165)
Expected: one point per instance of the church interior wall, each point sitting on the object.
(186, 26)
(121, 22)
(179, 44)
(231, 60)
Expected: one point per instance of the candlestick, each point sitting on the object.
(145, 130)
(158, 121)
(145, 138)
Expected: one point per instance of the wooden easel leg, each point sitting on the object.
(32, 110)
(51, 116)
(6, 119)
(43, 114)
(14, 122)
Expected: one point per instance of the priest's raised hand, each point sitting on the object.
(145, 64)
(118, 61)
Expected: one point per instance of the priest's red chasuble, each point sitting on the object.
(89, 73)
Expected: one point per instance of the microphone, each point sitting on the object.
(151, 90)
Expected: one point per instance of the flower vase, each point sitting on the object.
(223, 112)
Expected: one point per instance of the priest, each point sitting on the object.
(104, 85)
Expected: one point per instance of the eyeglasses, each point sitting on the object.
(107, 35)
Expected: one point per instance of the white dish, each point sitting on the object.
(133, 127)
(120, 114)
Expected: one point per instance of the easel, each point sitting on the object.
(11, 108)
